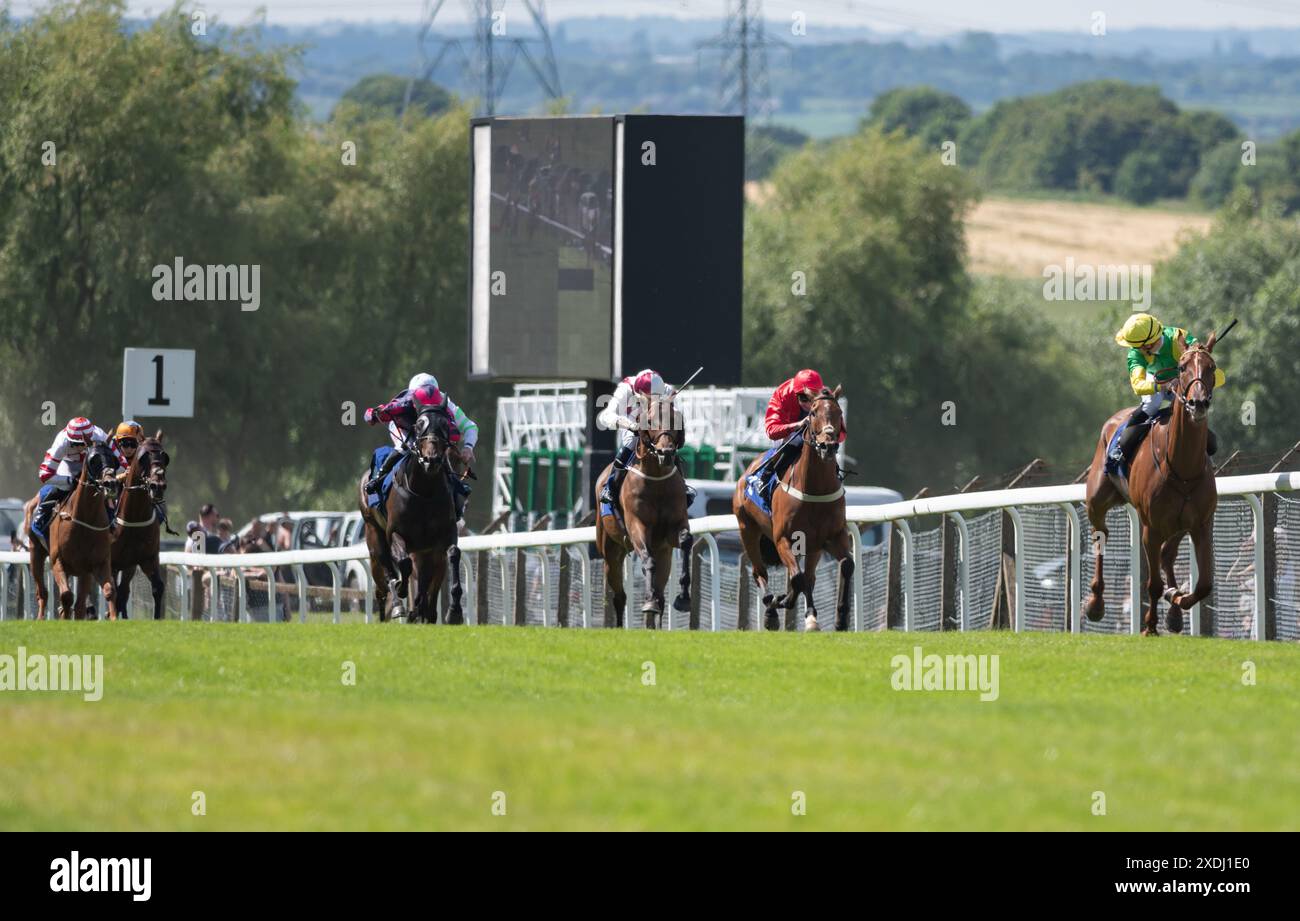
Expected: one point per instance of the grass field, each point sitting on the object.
(258, 719)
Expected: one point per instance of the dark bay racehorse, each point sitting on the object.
(1171, 484)
(807, 518)
(136, 528)
(653, 500)
(415, 530)
(79, 542)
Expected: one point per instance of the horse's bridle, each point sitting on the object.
(1197, 408)
(155, 482)
(824, 449)
(428, 432)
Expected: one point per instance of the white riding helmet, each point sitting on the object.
(422, 380)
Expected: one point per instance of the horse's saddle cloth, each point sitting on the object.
(1115, 465)
(760, 492)
(380, 499)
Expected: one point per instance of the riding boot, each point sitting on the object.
(1211, 442)
(40, 527)
(781, 463)
(690, 490)
(373, 484)
(1134, 429)
(614, 482)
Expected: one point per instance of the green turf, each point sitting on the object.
(256, 717)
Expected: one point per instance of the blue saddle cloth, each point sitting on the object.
(759, 493)
(1113, 466)
(377, 499)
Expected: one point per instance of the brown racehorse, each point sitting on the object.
(653, 500)
(807, 519)
(416, 531)
(79, 542)
(1171, 484)
(136, 530)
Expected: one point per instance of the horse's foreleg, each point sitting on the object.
(123, 593)
(1096, 607)
(796, 576)
(1203, 543)
(751, 537)
(38, 583)
(685, 541)
(1151, 544)
(154, 572)
(809, 581)
(65, 592)
(663, 570)
(841, 547)
(455, 614)
(614, 580)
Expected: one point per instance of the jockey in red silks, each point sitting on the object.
(400, 414)
(625, 411)
(790, 404)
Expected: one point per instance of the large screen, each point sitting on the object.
(543, 239)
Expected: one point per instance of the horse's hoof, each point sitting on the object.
(810, 624)
(771, 621)
(650, 623)
(682, 603)
(1096, 609)
(456, 616)
(1174, 620)
(767, 600)
(841, 623)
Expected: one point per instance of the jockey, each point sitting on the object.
(790, 404)
(61, 468)
(623, 412)
(1153, 354)
(125, 442)
(401, 412)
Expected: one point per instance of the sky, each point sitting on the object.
(924, 16)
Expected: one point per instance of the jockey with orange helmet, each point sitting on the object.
(400, 414)
(625, 412)
(61, 467)
(784, 420)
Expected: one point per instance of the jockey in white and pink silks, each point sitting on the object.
(624, 412)
(400, 414)
(61, 467)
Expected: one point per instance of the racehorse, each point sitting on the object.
(79, 542)
(416, 530)
(1171, 484)
(655, 519)
(807, 518)
(136, 527)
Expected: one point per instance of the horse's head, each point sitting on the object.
(151, 463)
(825, 423)
(96, 474)
(432, 436)
(1195, 386)
(663, 432)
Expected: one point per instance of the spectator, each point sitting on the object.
(208, 517)
(226, 536)
(194, 543)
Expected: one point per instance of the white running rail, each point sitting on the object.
(1241, 570)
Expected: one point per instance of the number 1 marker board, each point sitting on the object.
(157, 382)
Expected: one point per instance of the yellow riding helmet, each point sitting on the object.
(128, 429)
(1139, 330)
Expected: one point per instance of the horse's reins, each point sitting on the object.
(832, 448)
(1167, 461)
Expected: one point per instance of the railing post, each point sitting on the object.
(1194, 573)
(1257, 509)
(1073, 601)
(546, 588)
(963, 567)
(1134, 570)
(715, 587)
(1018, 609)
(337, 582)
(586, 587)
(907, 573)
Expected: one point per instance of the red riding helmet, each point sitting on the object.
(808, 379)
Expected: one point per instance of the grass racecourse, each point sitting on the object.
(566, 725)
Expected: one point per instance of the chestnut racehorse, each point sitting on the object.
(807, 518)
(416, 530)
(655, 519)
(79, 542)
(136, 529)
(1171, 484)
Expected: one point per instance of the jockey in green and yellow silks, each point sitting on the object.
(1154, 351)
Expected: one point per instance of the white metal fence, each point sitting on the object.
(550, 578)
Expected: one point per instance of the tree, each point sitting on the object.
(920, 111)
(380, 95)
